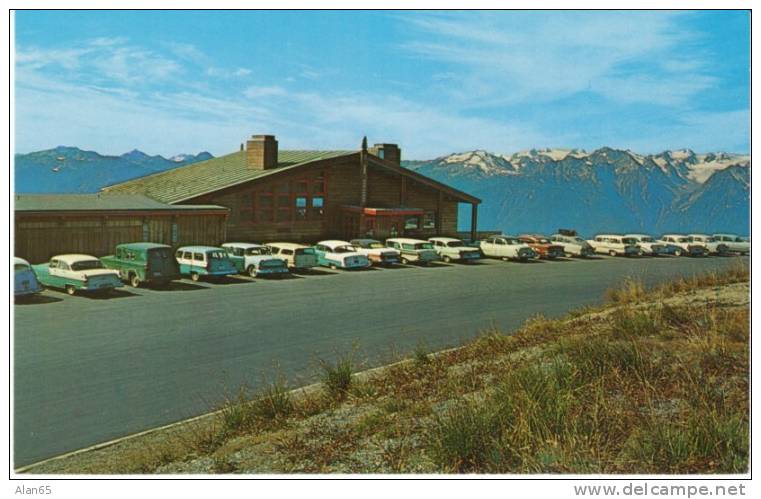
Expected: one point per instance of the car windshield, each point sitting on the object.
(423, 246)
(683, 239)
(20, 267)
(455, 244)
(217, 255)
(629, 240)
(343, 249)
(709, 239)
(305, 251)
(512, 240)
(578, 240)
(257, 251)
(739, 240)
(87, 265)
(376, 245)
(647, 239)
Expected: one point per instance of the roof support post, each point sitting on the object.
(473, 221)
(438, 217)
(363, 173)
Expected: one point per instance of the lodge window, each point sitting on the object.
(301, 208)
(298, 200)
(318, 209)
(412, 223)
(429, 220)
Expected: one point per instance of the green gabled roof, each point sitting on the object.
(98, 202)
(187, 182)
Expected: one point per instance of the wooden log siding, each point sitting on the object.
(342, 177)
(41, 236)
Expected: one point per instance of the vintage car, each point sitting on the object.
(74, 273)
(413, 250)
(542, 246)
(735, 243)
(339, 254)
(649, 246)
(255, 260)
(296, 256)
(684, 246)
(614, 245)
(714, 247)
(204, 261)
(572, 244)
(507, 248)
(25, 283)
(451, 249)
(139, 263)
(376, 252)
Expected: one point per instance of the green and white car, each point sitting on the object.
(77, 273)
(450, 249)
(413, 250)
(255, 260)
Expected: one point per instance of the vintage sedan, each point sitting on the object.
(413, 250)
(204, 261)
(25, 283)
(684, 245)
(507, 248)
(255, 260)
(451, 249)
(649, 246)
(74, 273)
(572, 244)
(735, 243)
(542, 246)
(714, 247)
(615, 245)
(296, 256)
(376, 252)
(139, 263)
(339, 254)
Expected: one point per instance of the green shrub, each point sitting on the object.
(337, 377)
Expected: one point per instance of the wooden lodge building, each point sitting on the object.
(306, 196)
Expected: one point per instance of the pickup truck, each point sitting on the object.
(138, 263)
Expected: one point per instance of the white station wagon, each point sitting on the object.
(296, 256)
(734, 242)
(714, 247)
(413, 250)
(573, 245)
(506, 248)
(684, 245)
(614, 245)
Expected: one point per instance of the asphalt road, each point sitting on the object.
(91, 369)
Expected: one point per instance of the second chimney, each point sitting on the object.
(261, 152)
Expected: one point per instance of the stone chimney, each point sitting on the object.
(389, 152)
(261, 152)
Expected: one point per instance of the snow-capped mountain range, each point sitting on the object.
(606, 190)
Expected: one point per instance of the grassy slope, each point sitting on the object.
(656, 381)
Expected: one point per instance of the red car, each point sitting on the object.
(543, 247)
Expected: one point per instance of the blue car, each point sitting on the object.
(25, 282)
(204, 261)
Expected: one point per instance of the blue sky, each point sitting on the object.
(434, 82)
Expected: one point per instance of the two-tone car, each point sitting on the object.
(615, 245)
(255, 260)
(298, 257)
(376, 252)
(572, 244)
(413, 250)
(506, 248)
(75, 273)
(714, 247)
(25, 283)
(684, 246)
(143, 262)
(199, 262)
(450, 249)
(542, 246)
(650, 247)
(337, 254)
(735, 243)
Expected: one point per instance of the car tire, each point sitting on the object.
(134, 280)
(612, 253)
(332, 266)
(405, 261)
(446, 259)
(251, 270)
(70, 290)
(677, 252)
(194, 276)
(505, 259)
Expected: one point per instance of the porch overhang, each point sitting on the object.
(381, 212)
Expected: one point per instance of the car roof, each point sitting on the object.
(406, 240)
(243, 245)
(364, 240)
(444, 239)
(198, 248)
(726, 234)
(674, 235)
(334, 242)
(74, 257)
(17, 260)
(609, 235)
(144, 245)
(637, 235)
(699, 235)
(288, 245)
(533, 236)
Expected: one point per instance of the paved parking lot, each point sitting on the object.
(89, 369)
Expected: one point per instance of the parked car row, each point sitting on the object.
(158, 264)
